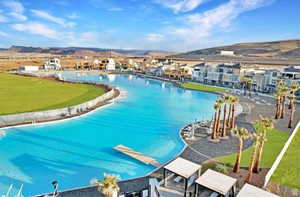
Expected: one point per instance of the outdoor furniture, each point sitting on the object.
(216, 182)
(214, 194)
(183, 168)
(252, 191)
(178, 179)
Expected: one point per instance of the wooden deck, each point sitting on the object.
(136, 155)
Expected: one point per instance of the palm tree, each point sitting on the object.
(255, 137)
(262, 126)
(234, 100)
(249, 85)
(220, 102)
(229, 111)
(108, 186)
(292, 99)
(294, 88)
(284, 92)
(278, 101)
(226, 100)
(241, 134)
(244, 84)
(217, 107)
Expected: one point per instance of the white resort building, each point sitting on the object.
(110, 65)
(223, 74)
(52, 64)
(28, 68)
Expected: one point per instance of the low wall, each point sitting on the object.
(56, 114)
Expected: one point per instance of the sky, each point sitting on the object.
(170, 25)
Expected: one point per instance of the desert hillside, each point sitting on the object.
(287, 49)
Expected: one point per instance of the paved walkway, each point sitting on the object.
(203, 149)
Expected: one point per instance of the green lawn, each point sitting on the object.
(276, 140)
(201, 87)
(288, 171)
(26, 94)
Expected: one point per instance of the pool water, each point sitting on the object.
(74, 151)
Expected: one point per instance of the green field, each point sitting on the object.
(288, 171)
(201, 87)
(26, 94)
(276, 141)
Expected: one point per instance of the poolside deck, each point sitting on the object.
(137, 155)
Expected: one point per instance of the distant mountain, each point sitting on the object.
(83, 51)
(286, 48)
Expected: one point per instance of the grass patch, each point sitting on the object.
(201, 87)
(26, 94)
(288, 171)
(276, 141)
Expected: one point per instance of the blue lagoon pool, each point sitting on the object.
(74, 151)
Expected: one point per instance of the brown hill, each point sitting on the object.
(286, 48)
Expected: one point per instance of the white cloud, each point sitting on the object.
(54, 19)
(72, 16)
(37, 29)
(3, 19)
(16, 9)
(195, 28)
(181, 5)
(115, 9)
(90, 36)
(18, 16)
(3, 34)
(154, 37)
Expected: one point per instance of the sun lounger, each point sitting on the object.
(204, 193)
(178, 179)
(214, 194)
(191, 181)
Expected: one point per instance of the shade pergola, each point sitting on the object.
(252, 191)
(183, 168)
(216, 182)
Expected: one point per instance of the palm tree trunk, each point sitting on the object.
(277, 108)
(290, 105)
(282, 107)
(224, 121)
(249, 90)
(258, 158)
(291, 102)
(229, 116)
(237, 165)
(250, 170)
(213, 134)
(232, 124)
(292, 115)
(218, 121)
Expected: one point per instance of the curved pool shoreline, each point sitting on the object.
(163, 133)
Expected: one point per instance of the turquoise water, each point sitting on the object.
(75, 151)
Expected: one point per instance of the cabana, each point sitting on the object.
(252, 191)
(188, 170)
(216, 182)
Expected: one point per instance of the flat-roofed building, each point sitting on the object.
(28, 68)
(252, 191)
(213, 183)
(227, 53)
